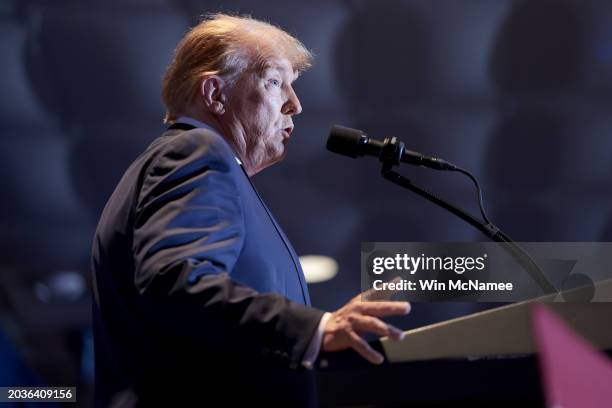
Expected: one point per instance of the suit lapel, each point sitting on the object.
(285, 240)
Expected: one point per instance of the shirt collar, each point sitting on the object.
(194, 122)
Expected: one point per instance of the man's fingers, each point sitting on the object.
(369, 324)
(363, 348)
(383, 309)
(373, 325)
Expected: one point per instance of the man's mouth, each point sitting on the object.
(287, 131)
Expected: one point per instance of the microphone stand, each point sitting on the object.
(391, 155)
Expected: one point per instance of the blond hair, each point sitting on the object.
(224, 45)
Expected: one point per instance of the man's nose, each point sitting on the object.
(293, 105)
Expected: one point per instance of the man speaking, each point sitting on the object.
(199, 295)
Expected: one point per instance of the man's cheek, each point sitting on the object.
(260, 122)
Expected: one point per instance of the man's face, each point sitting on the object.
(260, 110)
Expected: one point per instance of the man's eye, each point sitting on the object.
(274, 82)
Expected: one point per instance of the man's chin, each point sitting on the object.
(280, 155)
(275, 156)
(284, 145)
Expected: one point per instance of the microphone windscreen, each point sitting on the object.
(346, 141)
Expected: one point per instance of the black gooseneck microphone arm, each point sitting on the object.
(390, 156)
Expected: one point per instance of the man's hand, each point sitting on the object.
(344, 328)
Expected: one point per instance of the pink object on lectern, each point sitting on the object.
(574, 373)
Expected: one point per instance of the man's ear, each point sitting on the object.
(212, 91)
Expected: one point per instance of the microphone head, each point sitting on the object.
(346, 141)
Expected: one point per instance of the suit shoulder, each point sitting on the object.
(196, 144)
(188, 155)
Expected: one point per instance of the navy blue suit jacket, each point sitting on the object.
(198, 293)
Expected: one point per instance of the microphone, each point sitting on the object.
(355, 143)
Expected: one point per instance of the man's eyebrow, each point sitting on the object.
(289, 75)
(271, 68)
(266, 69)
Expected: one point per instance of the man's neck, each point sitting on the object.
(205, 121)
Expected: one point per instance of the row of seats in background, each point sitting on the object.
(520, 92)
